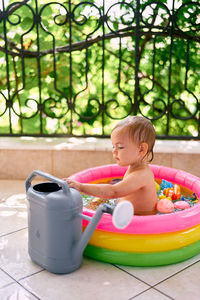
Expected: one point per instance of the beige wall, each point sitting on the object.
(60, 158)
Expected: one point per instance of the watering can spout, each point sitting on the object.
(121, 217)
(93, 222)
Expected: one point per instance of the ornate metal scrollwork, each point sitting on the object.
(78, 65)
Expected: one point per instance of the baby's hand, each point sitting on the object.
(73, 184)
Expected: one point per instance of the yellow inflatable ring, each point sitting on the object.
(145, 242)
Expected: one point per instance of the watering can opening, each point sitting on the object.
(47, 187)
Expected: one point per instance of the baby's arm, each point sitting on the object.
(97, 190)
(125, 187)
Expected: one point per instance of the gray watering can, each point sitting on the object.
(55, 238)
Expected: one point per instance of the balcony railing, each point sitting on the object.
(74, 68)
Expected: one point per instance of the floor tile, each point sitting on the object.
(13, 206)
(184, 285)
(94, 280)
(151, 294)
(13, 214)
(15, 292)
(154, 275)
(4, 279)
(10, 187)
(14, 257)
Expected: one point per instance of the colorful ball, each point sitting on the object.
(165, 206)
(181, 205)
(157, 186)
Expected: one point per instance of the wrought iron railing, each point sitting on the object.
(74, 68)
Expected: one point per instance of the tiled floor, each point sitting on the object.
(21, 279)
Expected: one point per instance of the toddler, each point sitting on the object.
(133, 140)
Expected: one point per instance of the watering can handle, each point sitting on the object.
(47, 176)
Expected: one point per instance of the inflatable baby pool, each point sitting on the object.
(148, 240)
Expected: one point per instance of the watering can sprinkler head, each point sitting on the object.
(55, 238)
(122, 214)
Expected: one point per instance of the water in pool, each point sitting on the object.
(179, 196)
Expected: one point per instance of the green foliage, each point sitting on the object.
(97, 80)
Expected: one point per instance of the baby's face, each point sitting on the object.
(125, 151)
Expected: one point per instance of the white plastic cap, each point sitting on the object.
(122, 214)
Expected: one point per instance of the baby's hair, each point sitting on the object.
(140, 130)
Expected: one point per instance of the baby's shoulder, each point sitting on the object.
(142, 171)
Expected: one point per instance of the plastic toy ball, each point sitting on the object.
(165, 206)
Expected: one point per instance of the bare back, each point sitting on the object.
(144, 199)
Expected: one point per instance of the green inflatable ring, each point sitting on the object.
(143, 259)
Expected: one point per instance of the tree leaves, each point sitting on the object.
(84, 61)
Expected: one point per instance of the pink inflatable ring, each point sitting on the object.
(152, 223)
